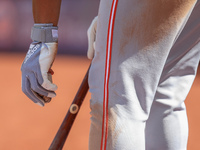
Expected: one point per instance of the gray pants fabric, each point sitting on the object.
(142, 71)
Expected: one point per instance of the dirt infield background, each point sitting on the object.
(26, 126)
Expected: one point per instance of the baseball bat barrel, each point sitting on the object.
(62, 134)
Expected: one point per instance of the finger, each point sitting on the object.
(36, 87)
(51, 71)
(26, 88)
(45, 98)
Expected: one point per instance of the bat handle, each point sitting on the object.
(68, 121)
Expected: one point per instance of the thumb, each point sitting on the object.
(47, 83)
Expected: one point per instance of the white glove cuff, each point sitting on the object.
(45, 33)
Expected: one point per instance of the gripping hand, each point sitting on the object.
(91, 34)
(36, 68)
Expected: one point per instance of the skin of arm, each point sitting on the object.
(46, 11)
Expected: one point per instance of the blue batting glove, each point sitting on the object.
(36, 69)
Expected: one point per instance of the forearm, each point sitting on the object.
(46, 11)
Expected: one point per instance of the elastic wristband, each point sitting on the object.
(45, 33)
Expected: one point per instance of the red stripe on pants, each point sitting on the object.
(107, 75)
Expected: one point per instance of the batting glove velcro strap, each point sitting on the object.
(45, 33)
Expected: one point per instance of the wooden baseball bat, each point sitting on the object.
(62, 134)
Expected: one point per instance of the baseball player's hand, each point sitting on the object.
(91, 33)
(36, 68)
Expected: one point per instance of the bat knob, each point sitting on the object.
(74, 109)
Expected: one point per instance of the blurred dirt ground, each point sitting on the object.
(26, 126)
